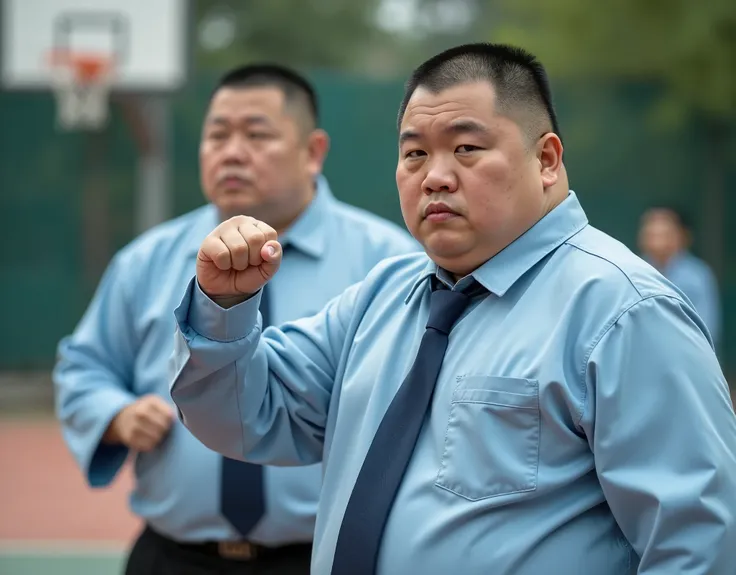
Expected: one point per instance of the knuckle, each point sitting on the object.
(251, 226)
(221, 258)
(260, 236)
(211, 246)
(239, 249)
(221, 251)
(239, 220)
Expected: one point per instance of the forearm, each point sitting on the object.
(236, 392)
(85, 407)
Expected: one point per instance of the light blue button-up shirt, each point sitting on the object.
(580, 423)
(121, 348)
(697, 281)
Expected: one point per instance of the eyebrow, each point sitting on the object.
(458, 127)
(250, 120)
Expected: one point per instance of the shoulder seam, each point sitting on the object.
(631, 283)
(606, 328)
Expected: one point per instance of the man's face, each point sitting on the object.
(254, 159)
(469, 184)
(660, 235)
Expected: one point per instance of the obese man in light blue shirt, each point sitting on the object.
(261, 153)
(525, 397)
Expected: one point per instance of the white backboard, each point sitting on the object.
(148, 39)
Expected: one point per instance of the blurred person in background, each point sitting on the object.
(261, 154)
(665, 237)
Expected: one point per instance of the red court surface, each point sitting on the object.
(44, 497)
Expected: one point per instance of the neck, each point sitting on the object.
(661, 262)
(557, 193)
(291, 215)
(279, 216)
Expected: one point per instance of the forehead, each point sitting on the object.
(474, 100)
(660, 219)
(235, 103)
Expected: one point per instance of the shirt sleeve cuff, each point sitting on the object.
(215, 323)
(106, 460)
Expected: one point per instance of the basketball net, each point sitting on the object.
(81, 84)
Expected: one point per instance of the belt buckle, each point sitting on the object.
(237, 550)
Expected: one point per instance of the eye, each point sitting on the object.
(413, 154)
(259, 135)
(219, 135)
(467, 148)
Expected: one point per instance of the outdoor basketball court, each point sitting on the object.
(81, 52)
(86, 52)
(51, 522)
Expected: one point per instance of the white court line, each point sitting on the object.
(58, 548)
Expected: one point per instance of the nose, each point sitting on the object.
(440, 177)
(236, 149)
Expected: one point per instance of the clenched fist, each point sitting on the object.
(238, 258)
(142, 425)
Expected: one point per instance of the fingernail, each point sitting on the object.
(271, 251)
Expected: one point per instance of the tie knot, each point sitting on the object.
(445, 308)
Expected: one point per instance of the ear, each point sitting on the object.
(318, 144)
(549, 156)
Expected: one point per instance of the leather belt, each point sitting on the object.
(235, 550)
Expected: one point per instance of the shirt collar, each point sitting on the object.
(500, 272)
(308, 233)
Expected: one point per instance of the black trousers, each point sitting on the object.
(154, 554)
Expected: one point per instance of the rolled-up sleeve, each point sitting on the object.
(663, 431)
(92, 376)
(258, 397)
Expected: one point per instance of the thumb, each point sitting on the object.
(160, 405)
(165, 407)
(271, 255)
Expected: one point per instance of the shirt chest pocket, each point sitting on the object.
(492, 438)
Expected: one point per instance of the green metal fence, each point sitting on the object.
(58, 189)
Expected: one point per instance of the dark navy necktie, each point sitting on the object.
(242, 500)
(359, 539)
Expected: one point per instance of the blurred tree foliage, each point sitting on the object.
(438, 25)
(688, 48)
(344, 36)
(304, 33)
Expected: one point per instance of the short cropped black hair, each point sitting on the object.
(298, 91)
(520, 81)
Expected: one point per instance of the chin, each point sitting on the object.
(457, 266)
(235, 203)
(456, 257)
(445, 244)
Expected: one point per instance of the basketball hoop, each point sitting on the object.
(81, 82)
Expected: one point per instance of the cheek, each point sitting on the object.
(497, 171)
(491, 195)
(277, 163)
(207, 167)
(487, 182)
(410, 192)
